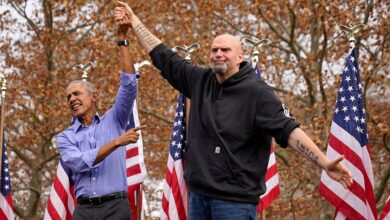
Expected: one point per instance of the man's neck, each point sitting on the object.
(221, 77)
(87, 119)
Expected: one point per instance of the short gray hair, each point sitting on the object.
(88, 85)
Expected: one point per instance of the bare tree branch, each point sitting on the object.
(22, 12)
(382, 186)
(156, 116)
(231, 24)
(292, 197)
(22, 156)
(49, 159)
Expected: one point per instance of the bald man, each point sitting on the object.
(232, 121)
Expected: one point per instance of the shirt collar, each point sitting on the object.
(77, 124)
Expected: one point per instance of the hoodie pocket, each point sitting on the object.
(220, 167)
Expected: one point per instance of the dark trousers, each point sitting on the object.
(118, 209)
(206, 208)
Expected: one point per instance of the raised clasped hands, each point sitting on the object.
(122, 14)
(122, 17)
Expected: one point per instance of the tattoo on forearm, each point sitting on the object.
(309, 154)
(146, 35)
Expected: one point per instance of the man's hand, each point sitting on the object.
(130, 136)
(123, 14)
(339, 172)
(123, 20)
(126, 8)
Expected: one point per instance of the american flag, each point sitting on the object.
(6, 207)
(61, 201)
(271, 182)
(348, 136)
(271, 177)
(386, 211)
(135, 167)
(175, 195)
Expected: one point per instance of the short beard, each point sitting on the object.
(219, 69)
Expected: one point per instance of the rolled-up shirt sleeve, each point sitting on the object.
(74, 158)
(125, 97)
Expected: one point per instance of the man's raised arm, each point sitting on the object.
(144, 36)
(125, 58)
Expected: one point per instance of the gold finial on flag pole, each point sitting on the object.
(352, 31)
(139, 65)
(187, 50)
(256, 44)
(83, 68)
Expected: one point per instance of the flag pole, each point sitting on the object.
(256, 44)
(138, 191)
(2, 102)
(137, 202)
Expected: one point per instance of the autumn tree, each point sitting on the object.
(42, 41)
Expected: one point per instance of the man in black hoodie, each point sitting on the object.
(232, 120)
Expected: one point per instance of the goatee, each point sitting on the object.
(219, 68)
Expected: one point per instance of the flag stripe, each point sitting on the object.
(357, 186)
(386, 210)
(64, 181)
(177, 188)
(271, 172)
(363, 189)
(51, 212)
(6, 209)
(339, 215)
(133, 170)
(344, 197)
(347, 206)
(181, 185)
(165, 201)
(266, 200)
(271, 184)
(61, 195)
(132, 151)
(132, 161)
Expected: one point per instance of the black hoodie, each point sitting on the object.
(231, 126)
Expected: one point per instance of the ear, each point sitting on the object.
(241, 56)
(94, 97)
